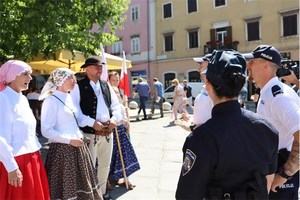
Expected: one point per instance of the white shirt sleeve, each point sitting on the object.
(288, 114)
(48, 121)
(6, 156)
(6, 151)
(83, 120)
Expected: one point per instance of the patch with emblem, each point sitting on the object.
(276, 90)
(188, 162)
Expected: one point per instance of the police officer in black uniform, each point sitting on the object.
(234, 154)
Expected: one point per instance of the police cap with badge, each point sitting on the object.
(268, 53)
(265, 52)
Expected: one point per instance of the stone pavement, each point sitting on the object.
(157, 144)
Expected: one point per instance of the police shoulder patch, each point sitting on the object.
(276, 90)
(188, 162)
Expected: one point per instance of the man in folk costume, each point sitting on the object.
(97, 99)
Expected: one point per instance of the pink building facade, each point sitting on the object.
(137, 39)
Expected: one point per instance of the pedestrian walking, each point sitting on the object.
(158, 97)
(216, 167)
(179, 104)
(143, 89)
(188, 93)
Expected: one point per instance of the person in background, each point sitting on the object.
(33, 94)
(35, 105)
(293, 81)
(98, 100)
(131, 163)
(22, 173)
(68, 164)
(279, 104)
(188, 93)
(143, 89)
(242, 98)
(255, 96)
(158, 97)
(216, 167)
(179, 103)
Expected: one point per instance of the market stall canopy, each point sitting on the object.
(42, 64)
(64, 58)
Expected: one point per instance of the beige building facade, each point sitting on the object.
(192, 28)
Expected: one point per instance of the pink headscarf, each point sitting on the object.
(10, 70)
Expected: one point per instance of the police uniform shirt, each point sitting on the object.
(202, 108)
(226, 151)
(279, 104)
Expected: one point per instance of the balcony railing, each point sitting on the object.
(211, 46)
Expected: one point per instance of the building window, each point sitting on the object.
(167, 10)
(168, 78)
(290, 25)
(135, 44)
(194, 76)
(135, 13)
(117, 48)
(219, 3)
(289, 22)
(193, 39)
(192, 6)
(168, 42)
(221, 34)
(253, 31)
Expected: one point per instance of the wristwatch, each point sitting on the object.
(283, 174)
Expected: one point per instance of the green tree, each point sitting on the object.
(28, 27)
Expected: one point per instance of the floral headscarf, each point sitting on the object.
(10, 70)
(56, 79)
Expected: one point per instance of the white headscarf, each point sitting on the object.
(56, 79)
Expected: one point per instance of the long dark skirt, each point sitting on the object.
(130, 160)
(71, 173)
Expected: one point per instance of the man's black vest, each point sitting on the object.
(88, 100)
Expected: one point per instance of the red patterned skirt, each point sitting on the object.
(35, 182)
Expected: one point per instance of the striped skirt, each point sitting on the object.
(71, 173)
(130, 160)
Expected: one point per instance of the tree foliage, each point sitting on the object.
(28, 27)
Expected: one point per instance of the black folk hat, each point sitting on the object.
(92, 61)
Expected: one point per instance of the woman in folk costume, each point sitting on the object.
(130, 160)
(22, 173)
(68, 164)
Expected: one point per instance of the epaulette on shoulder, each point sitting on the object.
(276, 90)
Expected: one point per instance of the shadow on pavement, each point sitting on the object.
(118, 191)
(171, 124)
